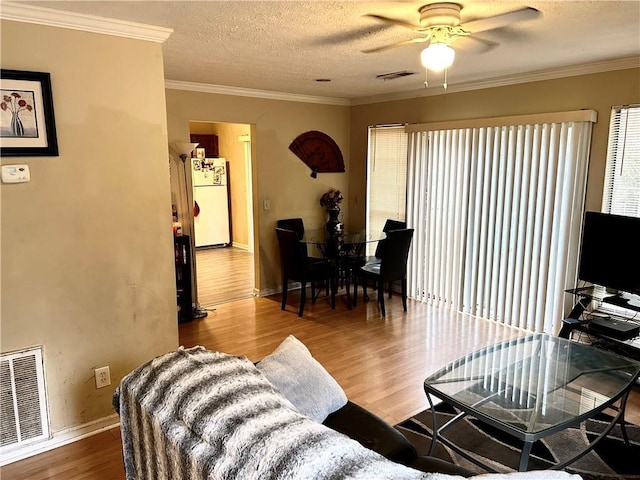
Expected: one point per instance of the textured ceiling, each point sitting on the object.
(284, 46)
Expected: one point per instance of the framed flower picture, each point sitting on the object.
(27, 123)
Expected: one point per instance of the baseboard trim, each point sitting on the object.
(61, 438)
(241, 246)
(266, 292)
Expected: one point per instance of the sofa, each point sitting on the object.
(201, 414)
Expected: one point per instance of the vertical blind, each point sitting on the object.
(497, 211)
(622, 175)
(386, 177)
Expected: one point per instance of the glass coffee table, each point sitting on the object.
(532, 387)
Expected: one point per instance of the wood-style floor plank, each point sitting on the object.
(223, 275)
(380, 363)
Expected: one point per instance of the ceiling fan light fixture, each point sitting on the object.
(437, 57)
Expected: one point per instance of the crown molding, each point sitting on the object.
(249, 92)
(550, 74)
(89, 23)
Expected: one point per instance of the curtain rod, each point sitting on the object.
(629, 105)
(383, 125)
(557, 117)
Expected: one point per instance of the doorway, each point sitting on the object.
(225, 272)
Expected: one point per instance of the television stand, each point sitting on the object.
(625, 300)
(624, 341)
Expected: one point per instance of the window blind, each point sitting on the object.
(497, 213)
(386, 177)
(622, 175)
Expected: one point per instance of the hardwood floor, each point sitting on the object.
(379, 362)
(223, 275)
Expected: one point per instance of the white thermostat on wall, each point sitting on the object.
(15, 173)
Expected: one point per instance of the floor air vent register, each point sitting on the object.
(23, 406)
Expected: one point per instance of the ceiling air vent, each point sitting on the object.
(394, 75)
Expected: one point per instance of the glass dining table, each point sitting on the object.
(343, 247)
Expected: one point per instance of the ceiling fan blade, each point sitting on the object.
(395, 21)
(487, 43)
(502, 20)
(475, 44)
(350, 36)
(399, 44)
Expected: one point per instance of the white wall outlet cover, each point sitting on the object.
(15, 173)
(103, 377)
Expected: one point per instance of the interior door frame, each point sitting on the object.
(251, 220)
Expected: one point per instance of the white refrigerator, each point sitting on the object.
(211, 202)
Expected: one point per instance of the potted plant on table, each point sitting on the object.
(331, 200)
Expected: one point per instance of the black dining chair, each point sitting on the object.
(394, 255)
(295, 224)
(389, 225)
(297, 266)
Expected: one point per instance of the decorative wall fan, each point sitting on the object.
(440, 26)
(318, 151)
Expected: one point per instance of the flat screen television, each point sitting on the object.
(610, 253)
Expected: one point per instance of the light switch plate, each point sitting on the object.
(15, 173)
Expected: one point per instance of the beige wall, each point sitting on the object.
(284, 179)
(87, 257)
(232, 150)
(87, 267)
(279, 176)
(597, 91)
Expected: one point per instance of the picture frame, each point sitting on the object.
(27, 121)
(200, 153)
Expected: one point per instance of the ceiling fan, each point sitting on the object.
(440, 26)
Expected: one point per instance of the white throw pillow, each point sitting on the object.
(303, 380)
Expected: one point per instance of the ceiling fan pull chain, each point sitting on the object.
(445, 78)
(426, 78)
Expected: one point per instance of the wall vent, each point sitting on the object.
(23, 404)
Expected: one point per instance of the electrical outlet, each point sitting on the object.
(103, 377)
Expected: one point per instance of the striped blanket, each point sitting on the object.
(196, 414)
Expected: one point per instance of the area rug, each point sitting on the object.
(610, 460)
